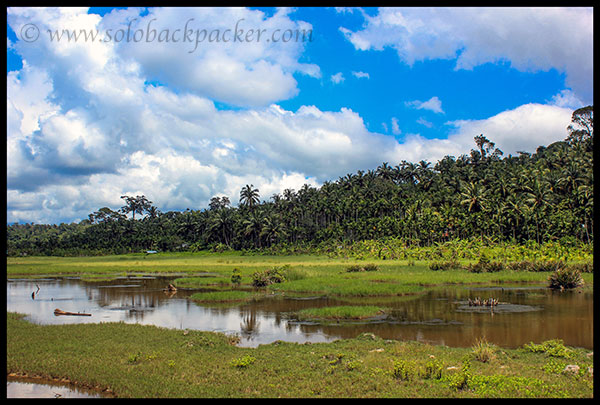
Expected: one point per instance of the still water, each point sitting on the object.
(526, 313)
(32, 388)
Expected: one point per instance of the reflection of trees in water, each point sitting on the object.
(134, 299)
(434, 320)
(431, 318)
(250, 324)
(291, 327)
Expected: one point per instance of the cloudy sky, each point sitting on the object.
(184, 104)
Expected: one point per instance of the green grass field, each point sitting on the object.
(150, 362)
(147, 361)
(305, 274)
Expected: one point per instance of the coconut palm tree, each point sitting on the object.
(273, 229)
(249, 196)
(474, 195)
(538, 197)
(252, 227)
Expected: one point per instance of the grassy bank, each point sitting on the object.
(147, 361)
(304, 274)
(338, 313)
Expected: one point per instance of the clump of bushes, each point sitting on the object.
(548, 265)
(552, 348)
(523, 265)
(447, 265)
(565, 278)
(586, 267)
(243, 361)
(269, 276)
(484, 351)
(433, 370)
(461, 380)
(485, 265)
(358, 268)
(403, 370)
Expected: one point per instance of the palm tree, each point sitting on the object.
(273, 229)
(538, 196)
(252, 226)
(475, 195)
(385, 171)
(219, 223)
(249, 196)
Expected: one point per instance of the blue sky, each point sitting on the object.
(91, 121)
(476, 94)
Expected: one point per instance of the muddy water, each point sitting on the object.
(442, 316)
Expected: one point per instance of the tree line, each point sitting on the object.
(542, 196)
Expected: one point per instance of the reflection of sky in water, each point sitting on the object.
(439, 317)
(139, 303)
(19, 389)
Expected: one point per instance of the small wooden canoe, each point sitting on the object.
(61, 312)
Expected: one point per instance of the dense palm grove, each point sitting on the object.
(540, 197)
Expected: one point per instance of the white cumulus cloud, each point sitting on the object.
(88, 123)
(530, 39)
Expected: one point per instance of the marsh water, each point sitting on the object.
(441, 316)
(32, 388)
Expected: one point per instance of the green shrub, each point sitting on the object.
(484, 265)
(523, 265)
(219, 248)
(552, 348)
(236, 277)
(550, 265)
(353, 365)
(267, 277)
(358, 268)
(402, 370)
(460, 381)
(354, 268)
(553, 367)
(484, 351)
(447, 265)
(433, 370)
(494, 267)
(133, 358)
(586, 267)
(565, 278)
(243, 361)
(370, 267)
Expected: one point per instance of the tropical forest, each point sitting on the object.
(532, 198)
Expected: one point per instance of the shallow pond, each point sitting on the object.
(20, 387)
(441, 316)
